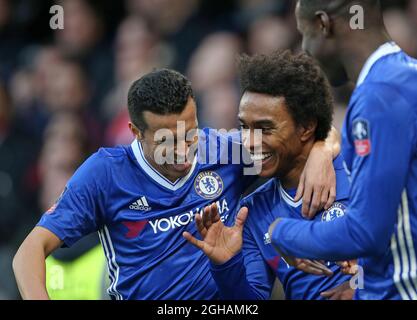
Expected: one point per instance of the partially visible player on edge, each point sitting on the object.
(379, 146)
(289, 98)
(140, 206)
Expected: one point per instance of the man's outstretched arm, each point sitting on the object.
(378, 188)
(29, 263)
(317, 186)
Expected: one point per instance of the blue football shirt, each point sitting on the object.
(251, 274)
(380, 149)
(140, 216)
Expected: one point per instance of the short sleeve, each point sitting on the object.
(78, 211)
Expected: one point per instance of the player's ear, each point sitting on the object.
(307, 132)
(324, 22)
(136, 132)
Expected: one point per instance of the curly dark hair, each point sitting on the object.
(298, 79)
(161, 91)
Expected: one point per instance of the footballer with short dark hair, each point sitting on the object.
(288, 97)
(140, 206)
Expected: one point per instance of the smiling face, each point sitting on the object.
(171, 136)
(281, 139)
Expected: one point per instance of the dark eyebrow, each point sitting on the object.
(264, 123)
(261, 122)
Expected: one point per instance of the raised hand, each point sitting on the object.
(219, 243)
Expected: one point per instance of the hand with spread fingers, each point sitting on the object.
(219, 242)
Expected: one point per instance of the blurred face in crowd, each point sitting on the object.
(62, 152)
(168, 15)
(320, 42)
(135, 49)
(67, 88)
(214, 61)
(282, 140)
(171, 136)
(401, 28)
(82, 27)
(58, 163)
(44, 74)
(269, 34)
(219, 106)
(4, 12)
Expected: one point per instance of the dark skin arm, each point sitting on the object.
(317, 188)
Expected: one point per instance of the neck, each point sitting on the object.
(292, 178)
(354, 56)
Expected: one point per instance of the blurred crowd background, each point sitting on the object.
(63, 92)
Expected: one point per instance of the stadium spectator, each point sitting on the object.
(10, 39)
(219, 106)
(76, 273)
(402, 29)
(138, 50)
(17, 205)
(270, 33)
(214, 61)
(84, 38)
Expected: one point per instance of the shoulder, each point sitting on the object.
(104, 157)
(95, 169)
(380, 101)
(389, 84)
(111, 153)
(397, 68)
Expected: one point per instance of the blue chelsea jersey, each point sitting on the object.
(251, 274)
(379, 144)
(271, 202)
(140, 216)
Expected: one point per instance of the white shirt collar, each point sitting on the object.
(384, 50)
(154, 174)
(288, 199)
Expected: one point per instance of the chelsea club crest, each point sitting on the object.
(337, 210)
(208, 184)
